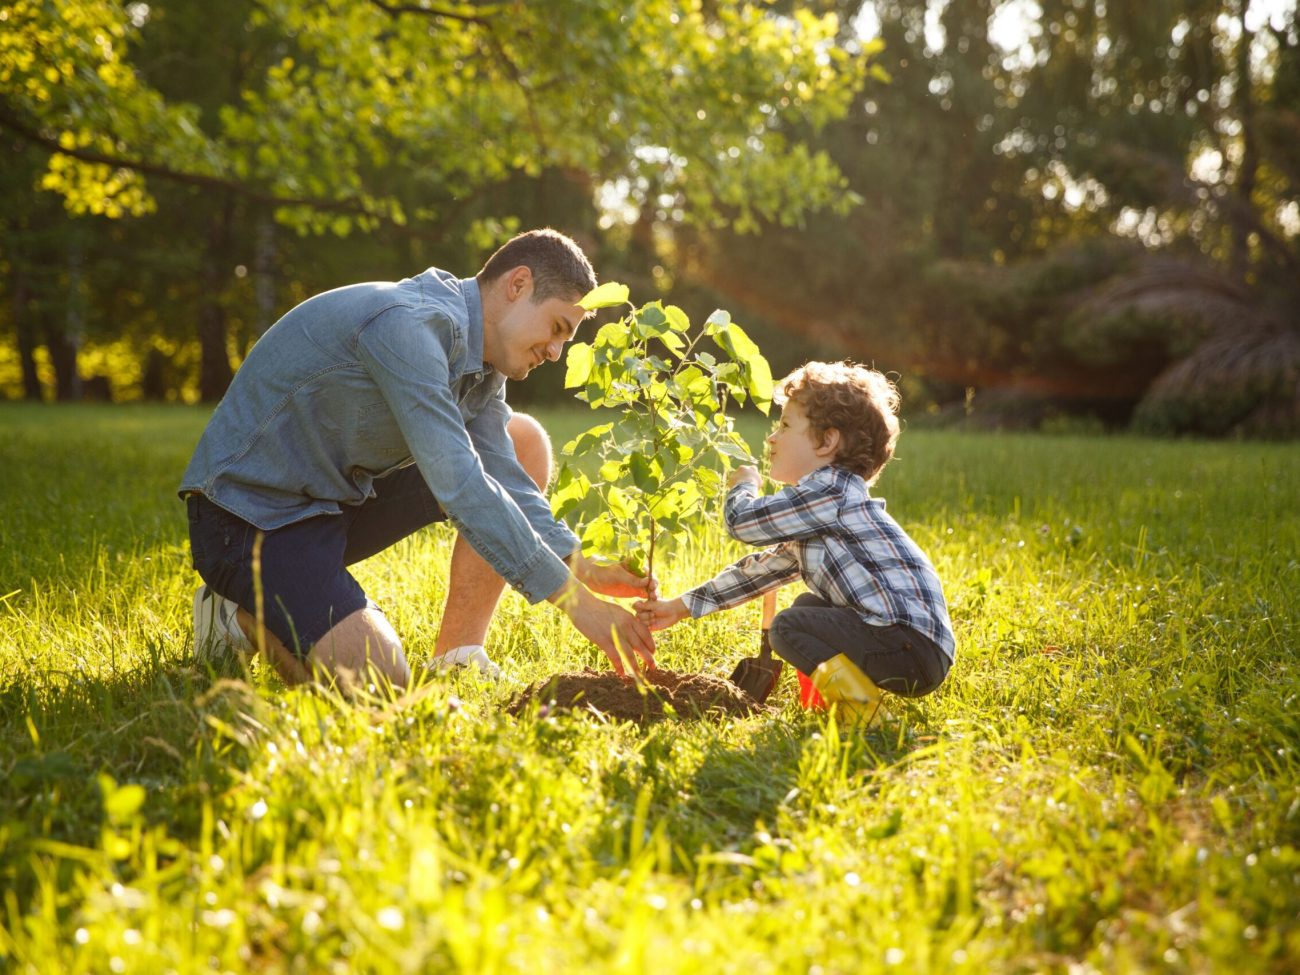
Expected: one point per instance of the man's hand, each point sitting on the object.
(617, 632)
(612, 579)
(659, 614)
(745, 474)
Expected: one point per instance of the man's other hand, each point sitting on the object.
(613, 579)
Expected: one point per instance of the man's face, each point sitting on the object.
(533, 332)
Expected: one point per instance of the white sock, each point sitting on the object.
(470, 654)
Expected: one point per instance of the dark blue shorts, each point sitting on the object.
(306, 587)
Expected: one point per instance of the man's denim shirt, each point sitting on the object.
(357, 382)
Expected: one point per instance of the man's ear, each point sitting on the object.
(830, 444)
(519, 282)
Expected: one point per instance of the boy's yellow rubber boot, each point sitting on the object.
(842, 682)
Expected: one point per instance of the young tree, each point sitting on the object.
(666, 455)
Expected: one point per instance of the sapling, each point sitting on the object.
(667, 453)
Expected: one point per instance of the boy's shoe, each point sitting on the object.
(840, 681)
(217, 635)
(472, 655)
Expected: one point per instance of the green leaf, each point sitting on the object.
(674, 342)
(718, 320)
(598, 535)
(709, 480)
(579, 362)
(736, 343)
(613, 336)
(758, 381)
(620, 505)
(677, 319)
(604, 296)
(735, 450)
(570, 491)
(588, 439)
(646, 472)
(651, 320)
(667, 506)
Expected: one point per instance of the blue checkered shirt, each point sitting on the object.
(828, 530)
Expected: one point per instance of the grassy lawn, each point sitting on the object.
(1108, 781)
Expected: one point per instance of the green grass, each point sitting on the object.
(1128, 802)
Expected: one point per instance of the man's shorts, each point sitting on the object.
(306, 587)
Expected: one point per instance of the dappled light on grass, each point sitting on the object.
(1121, 803)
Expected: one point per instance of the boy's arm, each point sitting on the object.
(742, 581)
(803, 510)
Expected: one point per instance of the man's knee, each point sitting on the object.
(532, 447)
(360, 650)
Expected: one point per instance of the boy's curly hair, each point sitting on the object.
(858, 402)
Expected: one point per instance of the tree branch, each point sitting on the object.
(521, 83)
(397, 9)
(33, 135)
(204, 181)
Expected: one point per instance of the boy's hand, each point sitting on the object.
(745, 474)
(659, 614)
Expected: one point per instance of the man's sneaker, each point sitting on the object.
(217, 636)
(472, 655)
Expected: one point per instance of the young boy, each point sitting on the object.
(875, 616)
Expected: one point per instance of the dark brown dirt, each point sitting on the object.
(689, 696)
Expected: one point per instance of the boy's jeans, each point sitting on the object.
(896, 658)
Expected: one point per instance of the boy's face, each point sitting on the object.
(793, 450)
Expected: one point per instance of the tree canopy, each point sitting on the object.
(349, 114)
(1071, 199)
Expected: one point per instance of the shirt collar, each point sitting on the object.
(474, 334)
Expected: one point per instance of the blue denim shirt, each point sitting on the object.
(357, 382)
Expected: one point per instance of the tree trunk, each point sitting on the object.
(65, 344)
(214, 362)
(1247, 173)
(26, 329)
(264, 273)
(63, 357)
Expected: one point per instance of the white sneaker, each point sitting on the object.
(466, 656)
(217, 635)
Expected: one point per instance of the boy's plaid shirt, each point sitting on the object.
(830, 531)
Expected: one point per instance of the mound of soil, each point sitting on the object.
(690, 696)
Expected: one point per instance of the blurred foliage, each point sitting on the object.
(1060, 221)
(1065, 201)
(413, 124)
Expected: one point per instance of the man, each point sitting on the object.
(366, 413)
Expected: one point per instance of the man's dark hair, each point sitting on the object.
(560, 269)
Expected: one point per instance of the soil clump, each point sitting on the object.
(688, 696)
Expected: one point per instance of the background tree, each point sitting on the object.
(1056, 205)
(345, 117)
